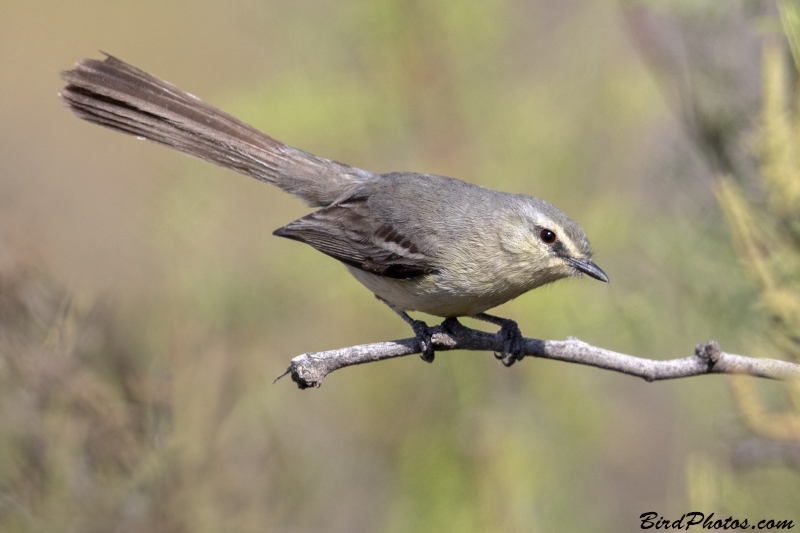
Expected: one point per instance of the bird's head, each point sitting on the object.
(551, 245)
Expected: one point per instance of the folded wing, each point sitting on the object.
(346, 231)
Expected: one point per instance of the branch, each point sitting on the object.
(309, 369)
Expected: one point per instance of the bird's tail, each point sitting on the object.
(119, 96)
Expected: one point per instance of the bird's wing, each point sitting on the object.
(348, 232)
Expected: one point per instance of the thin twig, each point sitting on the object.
(309, 369)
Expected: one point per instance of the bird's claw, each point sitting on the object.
(424, 336)
(513, 344)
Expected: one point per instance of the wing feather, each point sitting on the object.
(346, 231)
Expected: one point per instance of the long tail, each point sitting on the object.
(119, 96)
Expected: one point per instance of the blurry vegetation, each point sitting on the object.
(765, 231)
(154, 411)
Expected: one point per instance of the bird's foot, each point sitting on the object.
(422, 332)
(513, 341)
(451, 325)
(513, 344)
(424, 336)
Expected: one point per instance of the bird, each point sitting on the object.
(419, 242)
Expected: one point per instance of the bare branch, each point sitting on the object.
(309, 369)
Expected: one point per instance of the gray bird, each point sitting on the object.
(419, 242)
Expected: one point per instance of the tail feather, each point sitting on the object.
(116, 95)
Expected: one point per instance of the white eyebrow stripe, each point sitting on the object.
(574, 251)
(572, 247)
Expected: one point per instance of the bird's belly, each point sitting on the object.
(429, 295)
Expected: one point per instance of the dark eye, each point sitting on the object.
(548, 236)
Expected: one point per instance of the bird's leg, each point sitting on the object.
(513, 343)
(422, 331)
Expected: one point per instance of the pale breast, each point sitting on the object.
(426, 294)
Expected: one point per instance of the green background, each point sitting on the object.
(147, 403)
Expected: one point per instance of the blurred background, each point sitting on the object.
(145, 307)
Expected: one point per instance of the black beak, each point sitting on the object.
(588, 268)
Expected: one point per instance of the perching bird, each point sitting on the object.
(419, 242)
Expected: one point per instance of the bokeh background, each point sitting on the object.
(145, 307)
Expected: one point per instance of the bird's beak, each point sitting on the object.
(588, 268)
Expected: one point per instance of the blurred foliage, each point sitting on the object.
(767, 237)
(151, 409)
(765, 231)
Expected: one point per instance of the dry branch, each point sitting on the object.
(309, 369)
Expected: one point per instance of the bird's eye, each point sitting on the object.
(548, 236)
